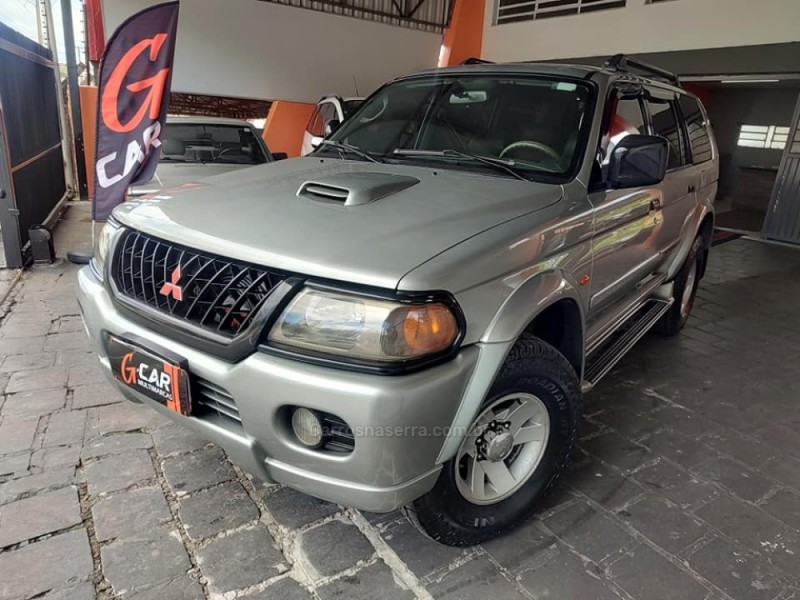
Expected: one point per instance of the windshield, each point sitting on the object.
(204, 143)
(536, 123)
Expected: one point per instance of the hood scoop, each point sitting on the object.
(355, 189)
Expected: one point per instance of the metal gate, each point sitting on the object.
(783, 215)
(32, 179)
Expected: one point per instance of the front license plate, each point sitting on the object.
(165, 380)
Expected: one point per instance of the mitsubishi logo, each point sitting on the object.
(171, 288)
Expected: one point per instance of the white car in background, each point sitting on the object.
(331, 109)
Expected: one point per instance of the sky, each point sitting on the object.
(21, 16)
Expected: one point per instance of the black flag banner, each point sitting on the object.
(133, 96)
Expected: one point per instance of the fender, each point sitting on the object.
(517, 312)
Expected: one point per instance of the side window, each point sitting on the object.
(699, 139)
(628, 119)
(314, 126)
(665, 124)
(327, 111)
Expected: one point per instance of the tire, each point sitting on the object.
(542, 393)
(685, 291)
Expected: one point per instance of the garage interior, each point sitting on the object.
(684, 483)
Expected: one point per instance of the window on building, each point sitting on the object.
(696, 125)
(772, 137)
(510, 11)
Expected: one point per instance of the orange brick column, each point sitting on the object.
(464, 37)
(286, 122)
(88, 96)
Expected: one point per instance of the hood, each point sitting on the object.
(352, 221)
(174, 174)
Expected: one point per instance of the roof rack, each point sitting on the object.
(472, 60)
(624, 64)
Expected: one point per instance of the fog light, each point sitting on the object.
(307, 427)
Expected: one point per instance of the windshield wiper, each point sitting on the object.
(342, 147)
(498, 163)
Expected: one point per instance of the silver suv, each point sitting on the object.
(409, 316)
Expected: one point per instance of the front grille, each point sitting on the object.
(218, 294)
(214, 398)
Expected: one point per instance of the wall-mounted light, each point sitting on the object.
(751, 81)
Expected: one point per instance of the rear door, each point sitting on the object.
(680, 185)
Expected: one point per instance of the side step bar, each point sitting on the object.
(603, 359)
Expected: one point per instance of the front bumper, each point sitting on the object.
(400, 422)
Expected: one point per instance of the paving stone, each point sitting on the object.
(334, 547)
(679, 448)
(124, 416)
(14, 465)
(191, 472)
(16, 434)
(16, 488)
(116, 443)
(363, 584)
(739, 574)
(98, 394)
(786, 470)
(137, 514)
(741, 447)
(602, 484)
(66, 341)
(132, 564)
(218, 509)
(419, 553)
(65, 428)
(86, 374)
(37, 379)
(589, 532)
(616, 450)
(677, 485)
(477, 579)
(755, 530)
(27, 362)
(25, 329)
(780, 437)
(240, 560)
(785, 506)
(293, 509)
(523, 547)
(27, 345)
(284, 589)
(667, 526)
(182, 587)
(117, 472)
(174, 438)
(59, 456)
(736, 478)
(565, 576)
(38, 515)
(58, 562)
(644, 573)
(29, 404)
(82, 591)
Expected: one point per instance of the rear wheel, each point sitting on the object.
(515, 448)
(685, 291)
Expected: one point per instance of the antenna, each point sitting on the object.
(355, 84)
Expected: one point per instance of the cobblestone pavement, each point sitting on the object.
(686, 484)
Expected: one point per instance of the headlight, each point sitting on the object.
(102, 245)
(364, 328)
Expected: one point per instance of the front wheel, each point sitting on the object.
(514, 450)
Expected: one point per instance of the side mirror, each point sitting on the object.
(316, 141)
(279, 156)
(638, 161)
(332, 126)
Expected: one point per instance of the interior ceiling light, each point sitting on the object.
(751, 81)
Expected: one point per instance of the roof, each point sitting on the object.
(207, 121)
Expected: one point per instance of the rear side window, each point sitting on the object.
(696, 125)
(665, 124)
